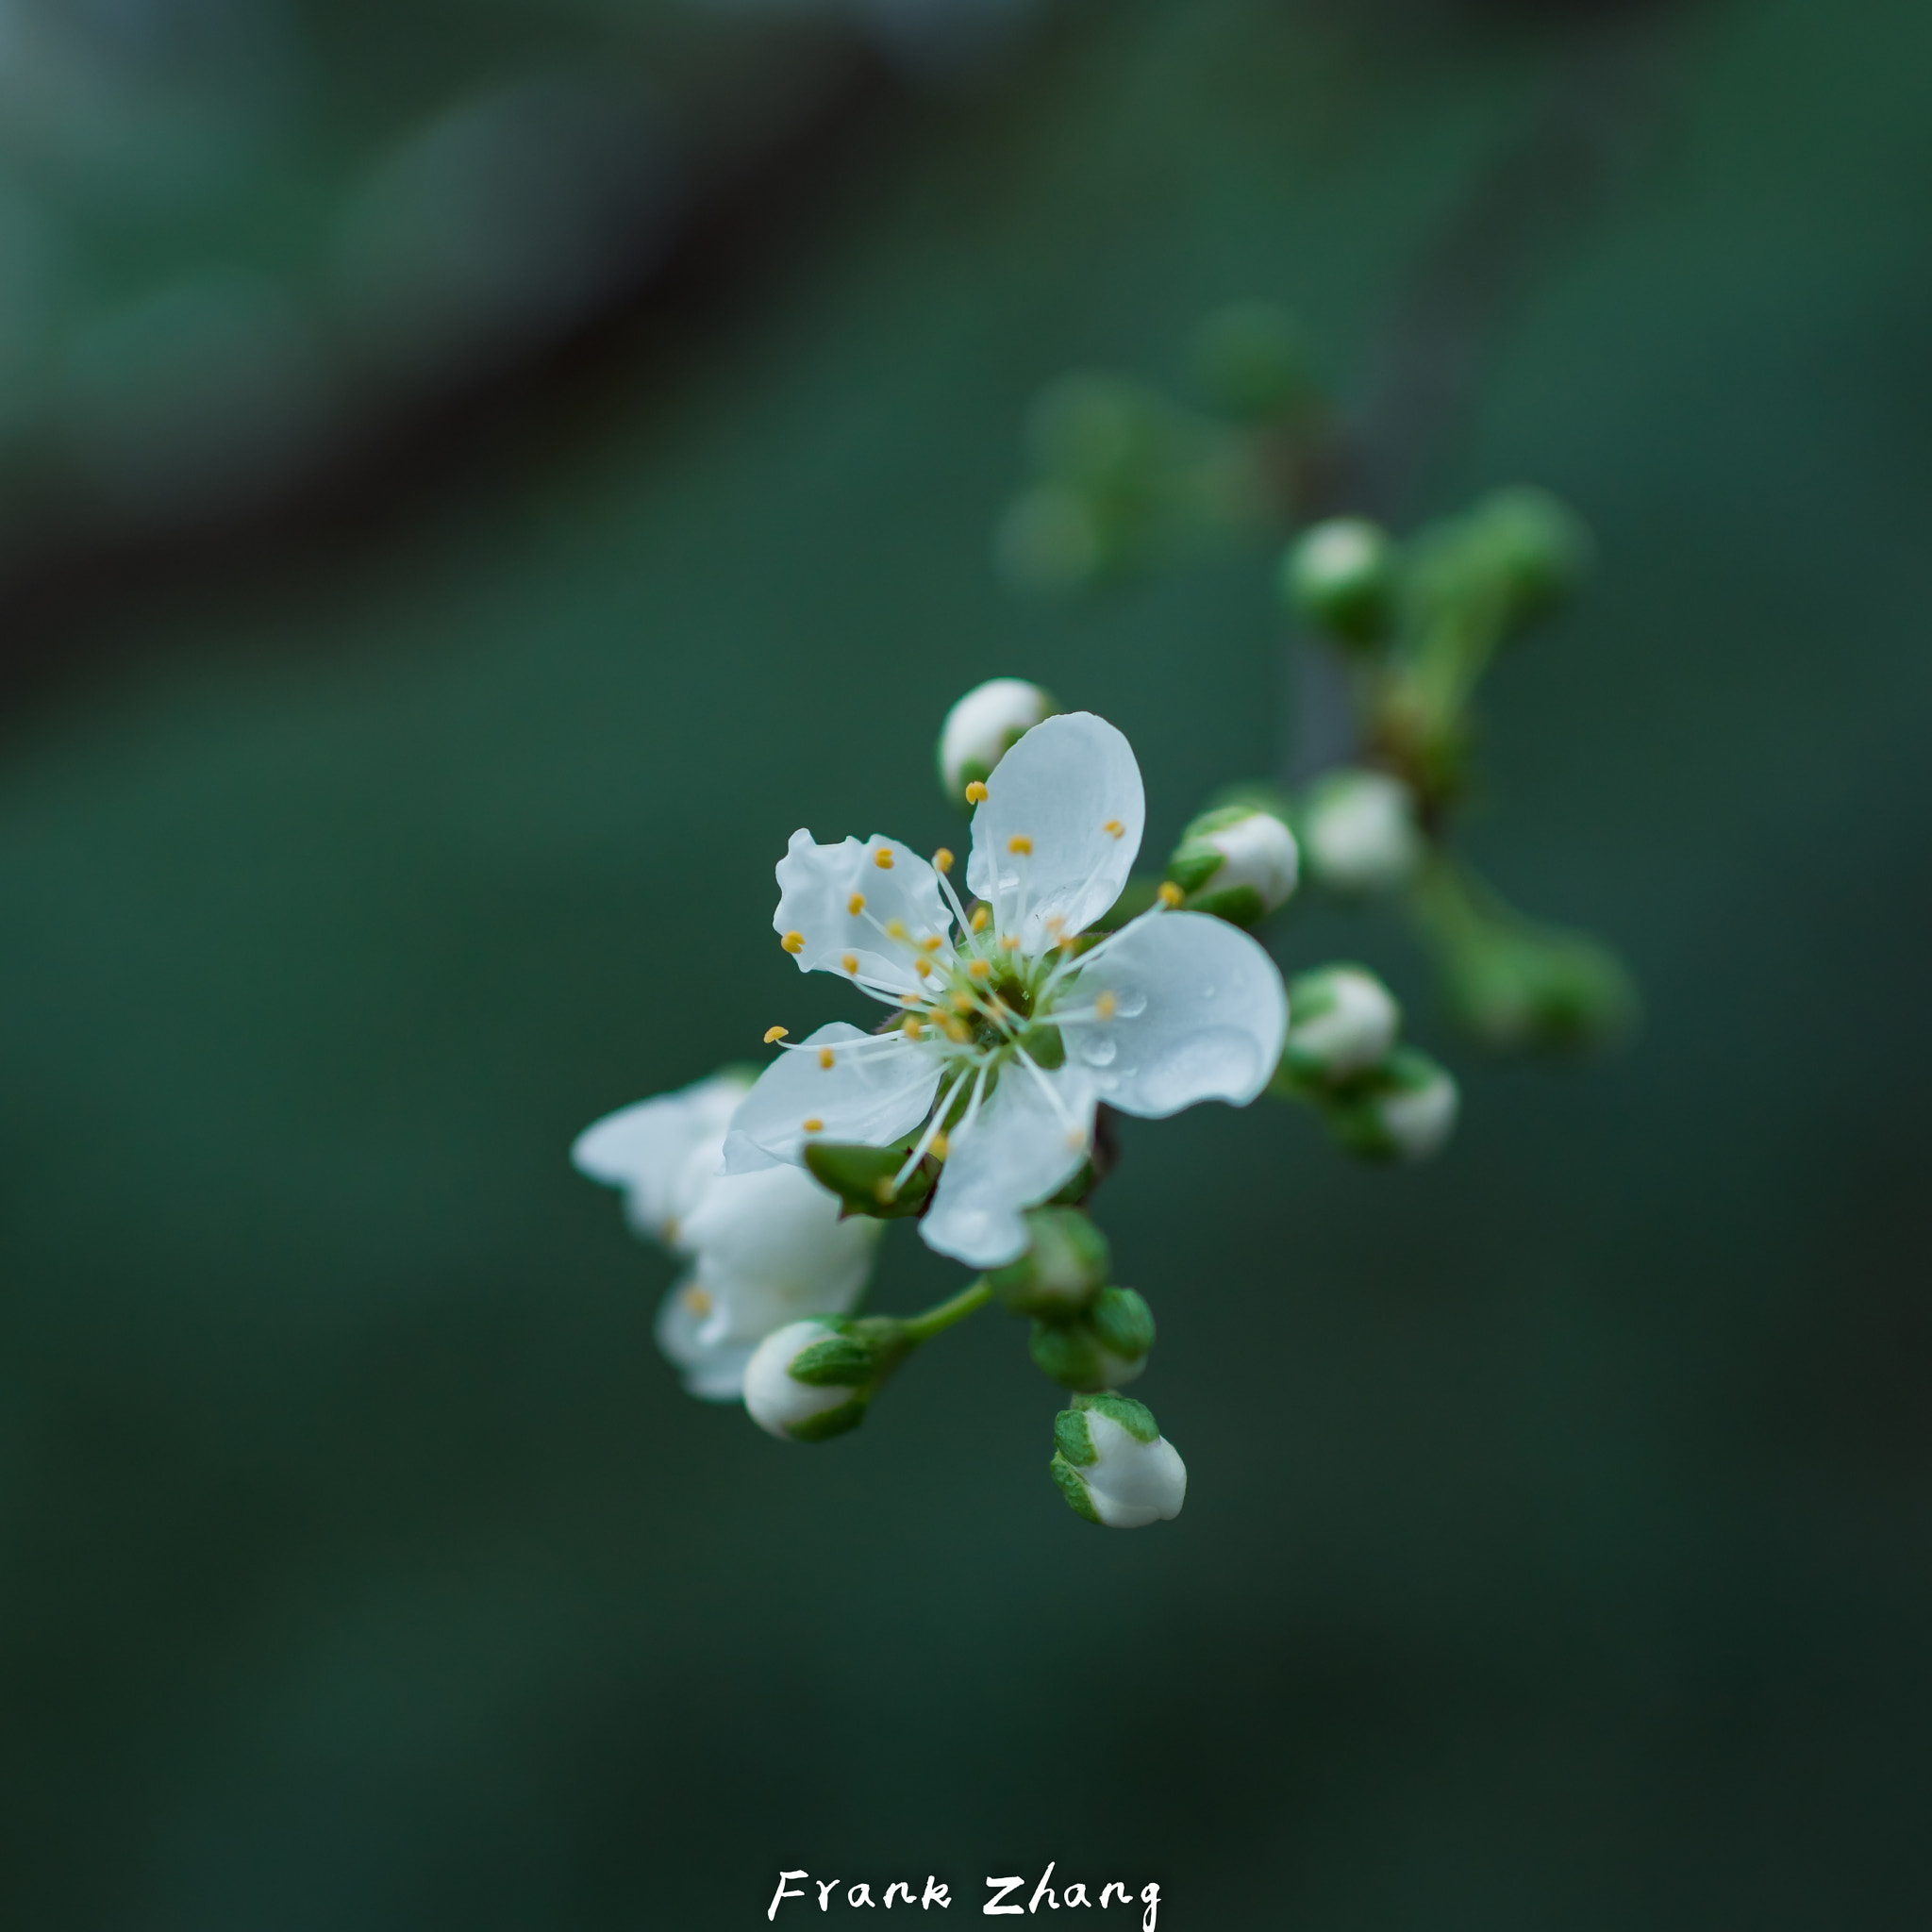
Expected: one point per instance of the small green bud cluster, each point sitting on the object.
(1380, 1100)
(1086, 1333)
(1124, 476)
(1113, 1465)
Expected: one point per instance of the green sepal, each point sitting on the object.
(1046, 1045)
(831, 1422)
(1073, 1489)
(1194, 863)
(840, 1361)
(1134, 1417)
(1123, 1322)
(1239, 905)
(1077, 1189)
(855, 1174)
(1070, 1434)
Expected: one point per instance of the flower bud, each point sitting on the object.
(1066, 1266)
(1340, 578)
(1405, 1110)
(1533, 547)
(1524, 987)
(984, 725)
(1250, 360)
(1237, 862)
(1358, 830)
(814, 1379)
(1341, 1021)
(1114, 1466)
(1101, 1348)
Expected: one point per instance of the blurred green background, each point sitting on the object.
(404, 717)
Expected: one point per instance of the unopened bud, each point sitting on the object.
(1250, 360)
(1535, 548)
(1360, 832)
(1101, 1348)
(1066, 1266)
(983, 727)
(1114, 1466)
(1341, 1021)
(1340, 578)
(814, 1379)
(1405, 1110)
(1238, 862)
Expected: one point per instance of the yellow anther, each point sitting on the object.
(1054, 923)
(974, 793)
(814, 1126)
(911, 999)
(980, 969)
(793, 942)
(1009, 942)
(856, 904)
(850, 962)
(1171, 895)
(896, 930)
(1105, 1005)
(964, 1003)
(922, 966)
(697, 1300)
(943, 861)
(882, 1188)
(982, 918)
(1021, 843)
(940, 1147)
(932, 943)
(956, 1030)
(773, 1033)
(914, 1027)
(826, 1056)
(883, 858)
(1113, 828)
(1077, 1138)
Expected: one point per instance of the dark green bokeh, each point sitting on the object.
(1555, 1551)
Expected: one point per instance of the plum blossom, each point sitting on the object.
(764, 1248)
(1011, 1023)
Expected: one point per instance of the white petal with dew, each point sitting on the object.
(1072, 791)
(1199, 1013)
(816, 887)
(661, 1152)
(1133, 1482)
(877, 1088)
(1027, 1142)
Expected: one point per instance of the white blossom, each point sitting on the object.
(1007, 1034)
(984, 725)
(763, 1248)
(1359, 831)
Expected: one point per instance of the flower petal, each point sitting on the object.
(1025, 1143)
(1200, 1014)
(771, 1246)
(875, 1089)
(661, 1152)
(816, 888)
(1072, 791)
(712, 1373)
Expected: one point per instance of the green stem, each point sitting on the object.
(936, 1319)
